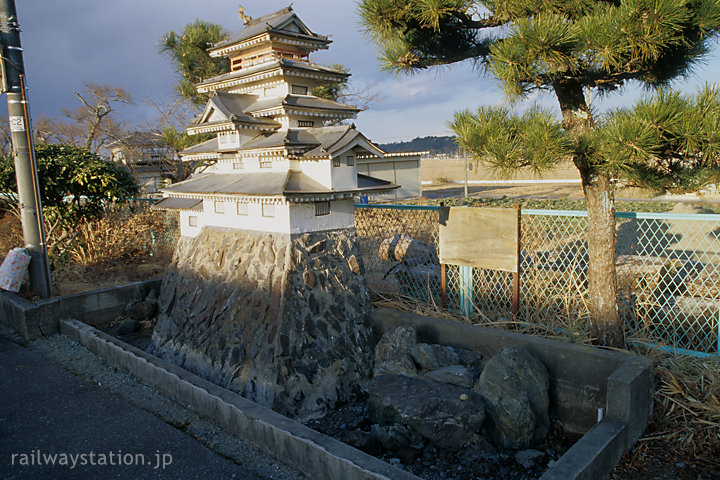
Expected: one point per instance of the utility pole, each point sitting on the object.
(13, 83)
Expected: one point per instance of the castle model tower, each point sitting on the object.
(266, 294)
(278, 163)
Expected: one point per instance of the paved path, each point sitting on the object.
(44, 410)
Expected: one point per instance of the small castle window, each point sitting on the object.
(336, 162)
(349, 160)
(299, 90)
(192, 221)
(242, 208)
(237, 165)
(219, 207)
(322, 208)
(265, 163)
(306, 123)
(268, 210)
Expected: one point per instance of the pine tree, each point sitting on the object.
(188, 53)
(565, 47)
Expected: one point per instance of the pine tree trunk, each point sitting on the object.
(606, 327)
(600, 199)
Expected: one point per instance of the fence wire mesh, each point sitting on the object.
(667, 271)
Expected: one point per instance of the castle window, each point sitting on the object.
(268, 210)
(299, 90)
(237, 165)
(265, 163)
(192, 221)
(219, 207)
(349, 160)
(322, 208)
(306, 123)
(336, 162)
(242, 208)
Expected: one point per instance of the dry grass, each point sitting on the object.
(128, 244)
(121, 236)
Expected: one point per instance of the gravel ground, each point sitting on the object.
(93, 369)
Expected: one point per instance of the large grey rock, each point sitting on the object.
(424, 356)
(446, 355)
(403, 365)
(459, 375)
(446, 415)
(514, 385)
(128, 326)
(144, 310)
(392, 437)
(395, 343)
(281, 321)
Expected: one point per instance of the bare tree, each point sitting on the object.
(92, 124)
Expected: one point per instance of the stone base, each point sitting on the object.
(281, 321)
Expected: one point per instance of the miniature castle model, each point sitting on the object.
(277, 164)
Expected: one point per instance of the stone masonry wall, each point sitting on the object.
(282, 322)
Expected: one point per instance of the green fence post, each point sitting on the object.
(467, 290)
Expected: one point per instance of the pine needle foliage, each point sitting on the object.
(188, 53)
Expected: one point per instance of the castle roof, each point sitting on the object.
(318, 142)
(279, 66)
(292, 183)
(283, 22)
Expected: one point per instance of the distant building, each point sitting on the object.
(149, 159)
(276, 164)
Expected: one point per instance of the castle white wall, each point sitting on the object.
(303, 218)
(288, 218)
(318, 170)
(344, 177)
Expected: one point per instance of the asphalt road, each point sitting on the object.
(46, 411)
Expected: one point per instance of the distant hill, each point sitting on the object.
(434, 145)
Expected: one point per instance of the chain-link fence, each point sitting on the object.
(667, 267)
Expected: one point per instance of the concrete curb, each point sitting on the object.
(315, 454)
(35, 320)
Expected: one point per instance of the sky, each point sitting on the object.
(69, 42)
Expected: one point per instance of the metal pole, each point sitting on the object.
(23, 153)
(465, 157)
(515, 309)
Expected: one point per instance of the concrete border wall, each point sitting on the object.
(315, 454)
(97, 307)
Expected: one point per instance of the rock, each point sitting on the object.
(446, 355)
(317, 247)
(514, 385)
(408, 454)
(432, 409)
(367, 442)
(144, 310)
(393, 437)
(528, 458)
(403, 365)
(309, 278)
(235, 309)
(424, 356)
(127, 326)
(152, 295)
(354, 264)
(408, 250)
(458, 375)
(395, 343)
(471, 359)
